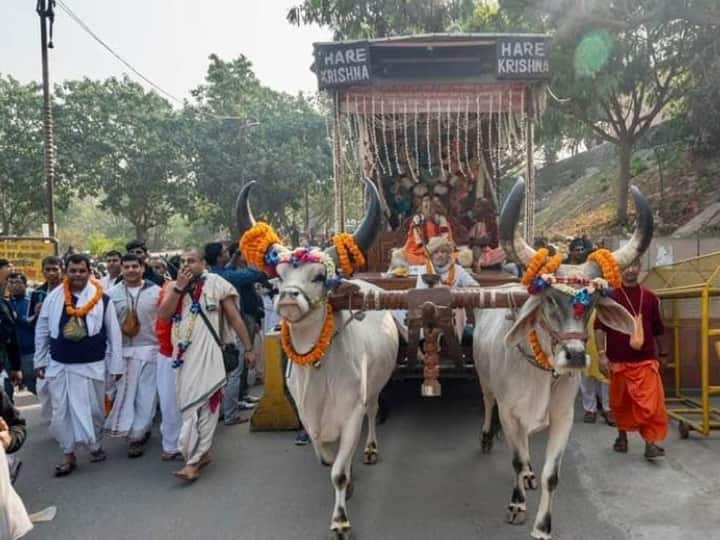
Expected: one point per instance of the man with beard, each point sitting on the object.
(637, 398)
(197, 301)
(136, 301)
(77, 339)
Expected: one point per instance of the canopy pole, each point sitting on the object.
(530, 172)
(339, 166)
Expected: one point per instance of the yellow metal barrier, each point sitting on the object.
(275, 412)
(698, 279)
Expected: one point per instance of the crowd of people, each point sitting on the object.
(105, 352)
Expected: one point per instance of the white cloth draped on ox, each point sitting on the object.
(77, 390)
(14, 520)
(135, 396)
(202, 374)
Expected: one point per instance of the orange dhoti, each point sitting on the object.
(637, 399)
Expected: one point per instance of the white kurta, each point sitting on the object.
(14, 520)
(202, 373)
(77, 391)
(171, 420)
(135, 395)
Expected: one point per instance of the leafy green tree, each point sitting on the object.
(238, 130)
(123, 144)
(23, 194)
(381, 18)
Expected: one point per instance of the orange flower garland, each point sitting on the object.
(256, 241)
(608, 266)
(540, 356)
(347, 249)
(451, 273)
(320, 348)
(87, 308)
(534, 266)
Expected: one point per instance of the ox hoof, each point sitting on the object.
(540, 535)
(487, 442)
(370, 457)
(516, 514)
(340, 530)
(530, 481)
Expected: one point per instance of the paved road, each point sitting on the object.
(432, 483)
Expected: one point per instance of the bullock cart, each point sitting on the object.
(689, 291)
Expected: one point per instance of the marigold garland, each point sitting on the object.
(541, 356)
(534, 266)
(319, 349)
(256, 241)
(87, 308)
(451, 273)
(608, 266)
(347, 249)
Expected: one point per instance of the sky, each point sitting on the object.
(168, 41)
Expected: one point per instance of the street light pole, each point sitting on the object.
(47, 13)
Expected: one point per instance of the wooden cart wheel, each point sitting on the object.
(684, 430)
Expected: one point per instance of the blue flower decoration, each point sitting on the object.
(272, 257)
(195, 308)
(176, 318)
(582, 297)
(177, 363)
(333, 282)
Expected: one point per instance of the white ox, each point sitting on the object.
(529, 398)
(334, 398)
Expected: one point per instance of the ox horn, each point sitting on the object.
(243, 215)
(643, 234)
(511, 240)
(366, 232)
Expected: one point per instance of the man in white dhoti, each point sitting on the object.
(136, 302)
(77, 338)
(197, 357)
(14, 520)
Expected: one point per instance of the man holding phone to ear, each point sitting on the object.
(197, 300)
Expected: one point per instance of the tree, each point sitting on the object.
(123, 144)
(23, 194)
(381, 18)
(238, 130)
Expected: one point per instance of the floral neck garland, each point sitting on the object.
(182, 328)
(349, 255)
(81, 311)
(452, 271)
(319, 349)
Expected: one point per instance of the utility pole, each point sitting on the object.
(45, 9)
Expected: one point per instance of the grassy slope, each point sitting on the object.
(588, 205)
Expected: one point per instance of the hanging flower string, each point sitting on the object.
(349, 255)
(182, 328)
(314, 355)
(81, 311)
(256, 242)
(541, 356)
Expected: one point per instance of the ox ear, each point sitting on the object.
(525, 320)
(614, 316)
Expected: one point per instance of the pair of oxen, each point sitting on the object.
(334, 397)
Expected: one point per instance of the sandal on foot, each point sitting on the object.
(621, 445)
(188, 473)
(97, 456)
(204, 461)
(653, 451)
(136, 449)
(65, 469)
(170, 456)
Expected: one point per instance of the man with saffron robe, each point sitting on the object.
(637, 398)
(431, 222)
(77, 339)
(136, 302)
(198, 357)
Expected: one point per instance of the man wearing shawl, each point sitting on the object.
(136, 302)
(76, 340)
(637, 398)
(197, 356)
